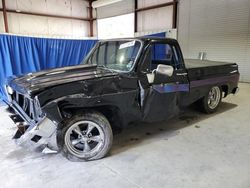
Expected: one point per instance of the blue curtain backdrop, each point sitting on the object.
(21, 55)
(161, 35)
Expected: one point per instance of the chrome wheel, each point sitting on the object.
(214, 97)
(84, 139)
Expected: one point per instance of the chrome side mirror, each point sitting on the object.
(166, 70)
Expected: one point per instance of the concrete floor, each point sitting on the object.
(193, 150)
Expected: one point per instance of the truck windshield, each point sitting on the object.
(115, 55)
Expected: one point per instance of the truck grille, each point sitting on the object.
(25, 103)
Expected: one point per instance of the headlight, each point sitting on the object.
(9, 90)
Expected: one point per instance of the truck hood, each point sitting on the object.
(44, 79)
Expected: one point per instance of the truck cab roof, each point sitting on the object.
(146, 39)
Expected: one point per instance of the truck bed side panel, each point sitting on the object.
(205, 74)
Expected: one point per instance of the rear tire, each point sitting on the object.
(212, 100)
(85, 137)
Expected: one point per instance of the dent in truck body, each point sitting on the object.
(121, 97)
(119, 92)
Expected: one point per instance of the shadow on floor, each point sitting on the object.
(137, 133)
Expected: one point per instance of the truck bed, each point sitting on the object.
(204, 69)
(196, 63)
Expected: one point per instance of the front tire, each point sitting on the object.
(212, 100)
(86, 137)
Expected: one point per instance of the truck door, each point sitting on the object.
(161, 97)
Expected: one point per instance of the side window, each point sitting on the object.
(163, 54)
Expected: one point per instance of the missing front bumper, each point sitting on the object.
(40, 135)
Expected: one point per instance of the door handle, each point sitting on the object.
(181, 74)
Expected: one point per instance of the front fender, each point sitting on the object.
(125, 102)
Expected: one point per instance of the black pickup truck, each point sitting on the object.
(74, 109)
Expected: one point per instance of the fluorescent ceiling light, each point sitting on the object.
(101, 3)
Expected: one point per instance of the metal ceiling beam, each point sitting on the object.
(5, 17)
(91, 22)
(174, 21)
(136, 17)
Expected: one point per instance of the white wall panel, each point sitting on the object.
(155, 19)
(48, 26)
(116, 9)
(116, 27)
(219, 28)
(80, 8)
(59, 26)
(76, 8)
(1, 23)
(39, 25)
(59, 7)
(80, 28)
(26, 5)
(25, 24)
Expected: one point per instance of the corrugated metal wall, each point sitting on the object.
(221, 28)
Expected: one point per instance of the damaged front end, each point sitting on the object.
(34, 129)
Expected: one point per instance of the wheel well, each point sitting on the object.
(224, 89)
(112, 113)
